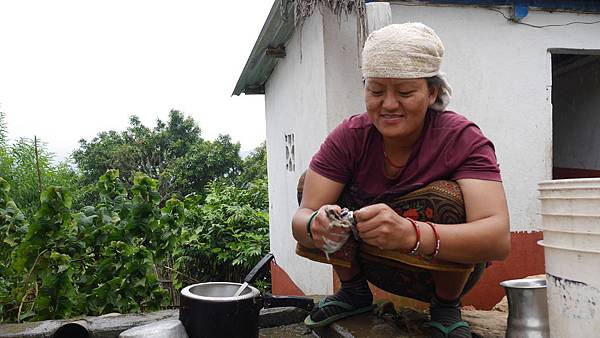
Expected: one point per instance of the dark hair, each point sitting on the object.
(434, 81)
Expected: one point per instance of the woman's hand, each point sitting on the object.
(380, 226)
(326, 237)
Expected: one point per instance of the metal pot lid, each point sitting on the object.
(218, 292)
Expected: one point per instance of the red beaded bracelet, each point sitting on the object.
(437, 242)
(415, 225)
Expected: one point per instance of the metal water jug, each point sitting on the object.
(527, 308)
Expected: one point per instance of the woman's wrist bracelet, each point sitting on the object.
(437, 242)
(415, 225)
(309, 223)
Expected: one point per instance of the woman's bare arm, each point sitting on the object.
(318, 191)
(485, 236)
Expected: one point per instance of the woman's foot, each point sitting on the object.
(354, 297)
(446, 320)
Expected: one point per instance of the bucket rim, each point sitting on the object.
(571, 180)
(566, 215)
(571, 231)
(541, 243)
(550, 198)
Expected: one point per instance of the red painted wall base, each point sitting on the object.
(281, 283)
(526, 259)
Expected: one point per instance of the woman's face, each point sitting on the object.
(397, 107)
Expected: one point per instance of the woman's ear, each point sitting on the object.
(433, 94)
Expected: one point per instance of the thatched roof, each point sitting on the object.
(285, 17)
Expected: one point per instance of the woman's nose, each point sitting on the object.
(390, 102)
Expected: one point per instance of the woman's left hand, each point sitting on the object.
(380, 226)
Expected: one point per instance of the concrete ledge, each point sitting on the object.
(111, 325)
(106, 326)
(281, 316)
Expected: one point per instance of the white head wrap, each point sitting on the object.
(406, 51)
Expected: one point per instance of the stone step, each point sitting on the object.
(111, 325)
(298, 330)
(409, 323)
(363, 326)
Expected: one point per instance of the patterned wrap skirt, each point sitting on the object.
(404, 274)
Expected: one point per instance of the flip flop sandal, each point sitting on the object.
(446, 330)
(350, 310)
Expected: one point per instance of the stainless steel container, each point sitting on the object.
(527, 308)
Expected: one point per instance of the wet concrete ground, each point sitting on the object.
(297, 330)
(377, 324)
(405, 323)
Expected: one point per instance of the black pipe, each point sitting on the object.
(77, 329)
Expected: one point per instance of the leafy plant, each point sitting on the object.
(44, 256)
(226, 236)
(100, 259)
(19, 166)
(13, 227)
(126, 245)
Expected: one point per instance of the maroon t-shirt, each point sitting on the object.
(449, 148)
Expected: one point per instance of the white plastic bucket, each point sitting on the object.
(573, 291)
(585, 241)
(571, 205)
(581, 187)
(571, 225)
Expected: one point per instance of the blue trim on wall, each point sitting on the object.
(520, 11)
(577, 5)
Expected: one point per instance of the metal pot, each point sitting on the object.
(211, 309)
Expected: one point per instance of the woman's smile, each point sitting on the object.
(391, 118)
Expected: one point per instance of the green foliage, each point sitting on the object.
(93, 243)
(18, 166)
(205, 162)
(226, 232)
(254, 166)
(173, 152)
(3, 130)
(43, 258)
(101, 259)
(115, 256)
(226, 236)
(13, 227)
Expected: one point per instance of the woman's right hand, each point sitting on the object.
(326, 237)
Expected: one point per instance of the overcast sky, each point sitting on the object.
(70, 69)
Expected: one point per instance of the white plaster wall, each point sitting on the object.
(295, 103)
(501, 76)
(343, 78)
(577, 109)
